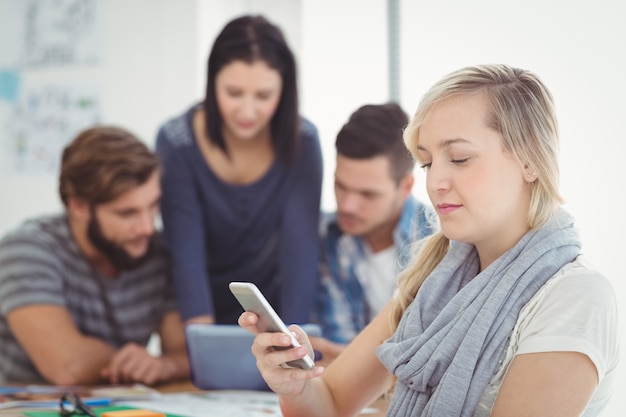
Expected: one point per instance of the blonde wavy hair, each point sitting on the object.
(521, 109)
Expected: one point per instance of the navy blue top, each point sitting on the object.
(265, 232)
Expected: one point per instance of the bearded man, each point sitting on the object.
(82, 292)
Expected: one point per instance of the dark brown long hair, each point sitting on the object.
(250, 39)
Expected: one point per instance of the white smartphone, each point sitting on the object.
(251, 299)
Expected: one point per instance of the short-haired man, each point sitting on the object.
(82, 292)
(367, 241)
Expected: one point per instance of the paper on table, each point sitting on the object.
(219, 403)
(48, 395)
(98, 411)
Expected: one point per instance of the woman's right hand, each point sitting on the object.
(283, 381)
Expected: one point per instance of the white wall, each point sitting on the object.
(146, 75)
(343, 66)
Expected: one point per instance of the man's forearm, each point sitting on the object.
(79, 364)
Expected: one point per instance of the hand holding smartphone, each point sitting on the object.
(251, 299)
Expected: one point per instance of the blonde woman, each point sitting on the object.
(498, 315)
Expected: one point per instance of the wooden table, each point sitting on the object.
(186, 386)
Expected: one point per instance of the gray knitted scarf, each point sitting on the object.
(450, 339)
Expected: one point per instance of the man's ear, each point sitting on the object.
(406, 184)
(78, 209)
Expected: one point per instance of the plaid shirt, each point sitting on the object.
(341, 306)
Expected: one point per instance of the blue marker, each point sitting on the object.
(90, 402)
(98, 402)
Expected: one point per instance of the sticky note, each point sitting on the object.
(9, 84)
(132, 413)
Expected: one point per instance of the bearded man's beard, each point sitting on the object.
(116, 254)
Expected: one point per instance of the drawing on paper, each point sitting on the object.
(42, 121)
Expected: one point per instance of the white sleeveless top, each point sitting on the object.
(574, 311)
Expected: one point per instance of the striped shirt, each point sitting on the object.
(40, 263)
